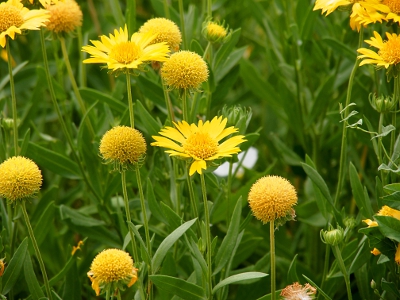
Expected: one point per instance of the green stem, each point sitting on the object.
(108, 293)
(166, 9)
(380, 146)
(326, 268)
(75, 86)
(343, 147)
(37, 251)
(185, 115)
(82, 66)
(182, 19)
(117, 12)
(342, 267)
(272, 253)
(168, 103)
(131, 233)
(60, 118)
(208, 234)
(130, 102)
(143, 206)
(191, 195)
(228, 192)
(13, 97)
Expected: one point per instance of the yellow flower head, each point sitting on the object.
(201, 142)
(123, 145)
(65, 15)
(14, 18)
(112, 266)
(370, 223)
(123, 54)
(2, 265)
(166, 30)
(272, 198)
(394, 10)
(214, 32)
(296, 291)
(20, 178)
(388, 51)
(363, 12)
(389, 212)
(184, 70)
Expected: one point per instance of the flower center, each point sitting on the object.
(125, 52)
(9, 16)
(394, 5)
(216, 30)
(390, 52)
(200, 145)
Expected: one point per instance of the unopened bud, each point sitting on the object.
(332, 236)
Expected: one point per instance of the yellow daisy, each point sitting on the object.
(363, 12)
(201, 142)
(14, 17)
(110, 269)
(388, 53)
(394, 10)
(123, 54)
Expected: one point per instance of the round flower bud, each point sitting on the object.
(272, 198)
(112, 266)
(123, 145)
(382, 104)
(184, 70)
(20, 178)
(332, 236)
(214, 32)
(65, 16)
(166, 30)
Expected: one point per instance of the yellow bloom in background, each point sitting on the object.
(363, 12)
(271, 198)
(20, 178)
(65, 15)
(166, 30)
(370, 223)
(388, 51)
(123, 54)
(389, 212)
(112, 266)
(2, 266)
(397, 255)
(375, 251)
(296, 291)
(14, 18)
(201, 142)
(123, 145)
(184, 70)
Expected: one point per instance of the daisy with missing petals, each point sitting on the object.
(298, 292)
(14, 18)
(201, 142)
(388, 54)
(121, 53)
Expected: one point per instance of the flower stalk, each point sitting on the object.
(272, 254)
(13, 99)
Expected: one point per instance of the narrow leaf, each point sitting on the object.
(238, 279)
(178, 287)
(30, 277)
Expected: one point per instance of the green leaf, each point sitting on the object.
(78, 218)
(292, 272)
(13, 269)
(389, 226)
(390, 287)
(73, 285)
(238, 279)
(364, 205)
(30, 277)
(167, 243)
(151, 90)
(153, 204)
(150, 124)
(226, 49)
(289, 156)
(317, 287)
(53, 161)
(147, 258)
(25, 141)
(43, 225)
(92, 95)
(340, 48)
(226, 66)
(179, 287)
(228, 244)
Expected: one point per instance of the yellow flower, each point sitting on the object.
(397, 255)
(388, 53)
(389, 212)
(20, 178)
(370, 223)
(201, 142)
(2, 265)
(166, 30)
(184, 70)
(123, 54)
(375, 251)
(394, 10)
(123, 145)
(14, 17)
(65, 15)
(112, 266)
(272, 198)
(214, 32)
(296, 291)
(363, 12)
